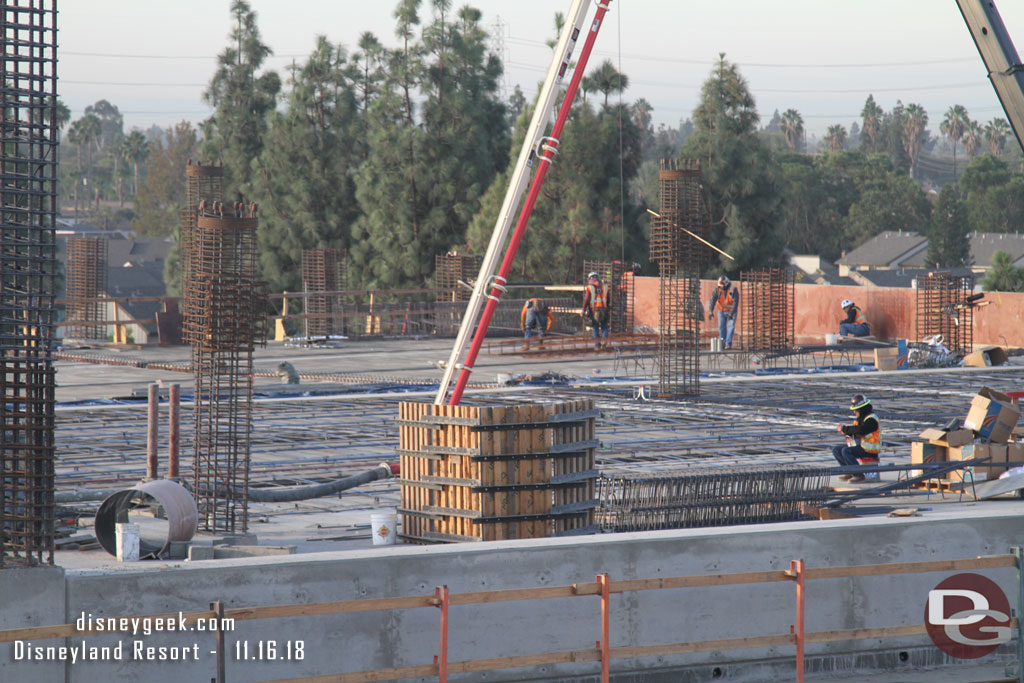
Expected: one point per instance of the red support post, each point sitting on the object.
(152, 467)
(174, 430)
(441, 600)
(796, 572)
(606, 609)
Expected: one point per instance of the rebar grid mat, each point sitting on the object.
(28, 162)
(768, 311)
(715, 496)
(942, 308)
(679, 318)
(223, 321)
(450, 268)
(323, 270)
(85, 278)
(620, 292)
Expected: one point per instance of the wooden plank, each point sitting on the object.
(866, 633)
(987, 562)
(702, 646)
(486, 474)
(501, 472)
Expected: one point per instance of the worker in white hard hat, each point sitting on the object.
(854, 324)
(863, 438)
(596, 307)
(725, 301)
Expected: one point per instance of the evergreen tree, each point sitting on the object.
(308, 166)
(891, 201)
(162, 193)
(744, 196)
(1003, 276)
(242, 100)
(948, 244)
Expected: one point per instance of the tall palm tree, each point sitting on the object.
(135, 149)
(915, 133)
(835, 138)
(871, 121)
(972, 138)
(996, 133)
(606, 79)
(642, 113)
(953, 125)
(792, 128)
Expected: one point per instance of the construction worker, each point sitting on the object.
(535, 318)
(596, 307)
(725, 300)
(854, 324)
(863, 438)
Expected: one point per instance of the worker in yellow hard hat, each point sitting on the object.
(863, 438)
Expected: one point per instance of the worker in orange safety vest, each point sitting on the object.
(596, 307)
(863, 438)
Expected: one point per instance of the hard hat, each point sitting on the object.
(592, 274)
(859, 401)
(846, 303)
(723, 281)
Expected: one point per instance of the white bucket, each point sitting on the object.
(831, 339)
(127, 536)
(384, 526)
(716, 345)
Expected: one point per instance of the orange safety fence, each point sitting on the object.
(603, 587)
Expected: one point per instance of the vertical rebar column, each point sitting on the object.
(768, 309)
(942, 308)
(323, 270)
(449, 269)
(28, 198)
(680, 258)
(85, 282)
(223, 321)
(204, 183)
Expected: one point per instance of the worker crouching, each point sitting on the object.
(854, 324)
(535, 319)
(863, 438)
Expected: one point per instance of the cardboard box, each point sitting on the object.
(940, 437)
(922, 452)
(891, 358)
(992, 415)
(986, 356)
(996, 452)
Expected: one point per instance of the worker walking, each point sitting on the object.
(596, 307)
(535, 318)
(725, 301)
(863, 438)
(854, 324)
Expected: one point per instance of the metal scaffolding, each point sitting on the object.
(942, 308)
(680, 258)
(223, 321)
(768, 310)
(85, 282)
(28, 208)
(323, 270)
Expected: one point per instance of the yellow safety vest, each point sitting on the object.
(872, 443)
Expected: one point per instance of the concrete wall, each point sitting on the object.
(353, 642)
(890, 310)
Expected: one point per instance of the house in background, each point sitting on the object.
(135, 268)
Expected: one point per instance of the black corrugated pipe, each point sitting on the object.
(382, 471)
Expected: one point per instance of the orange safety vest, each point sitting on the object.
(724, 303)
(872, 443)
(598, 298)
(526, 307)
(860, 319)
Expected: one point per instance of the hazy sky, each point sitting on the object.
(153, 58)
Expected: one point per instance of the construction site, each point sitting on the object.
(346, 485)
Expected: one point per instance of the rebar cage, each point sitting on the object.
(450, 269)
(223, 321)
(323, 270)
(28, 167)
(620, 292)
(85, 282)
(767, 309)
(680, 258)
(942, 308)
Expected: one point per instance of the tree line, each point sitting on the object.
(397, 154)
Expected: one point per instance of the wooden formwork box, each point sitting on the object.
(485, 473)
